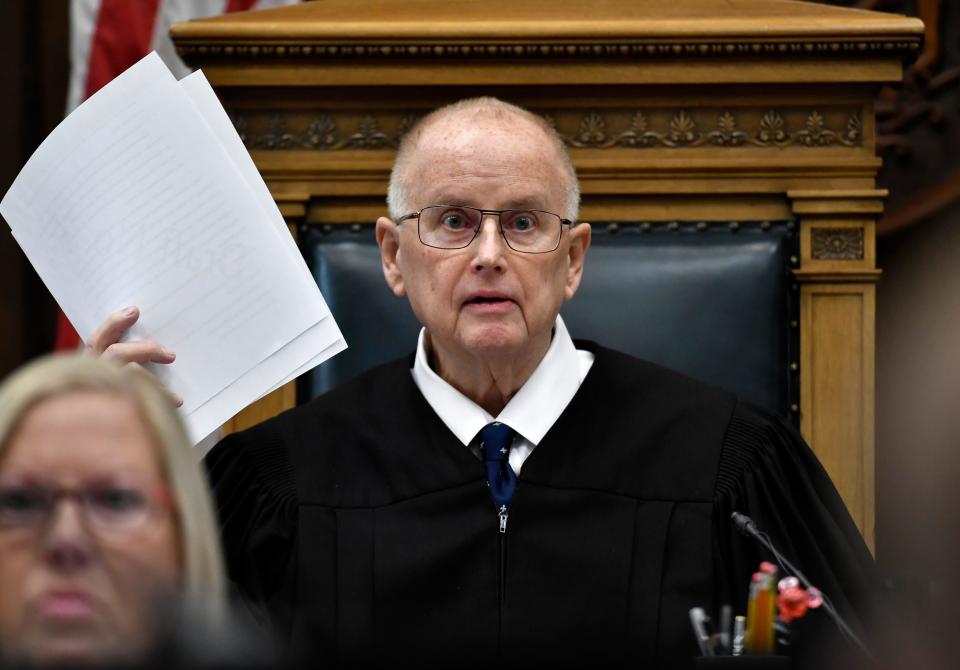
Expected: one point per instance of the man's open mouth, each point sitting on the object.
(483, 299)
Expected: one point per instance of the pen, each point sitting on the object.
(699, 619)
(726, 613)
(739, 632)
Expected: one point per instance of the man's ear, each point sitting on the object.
(388, 239)
(580, 236)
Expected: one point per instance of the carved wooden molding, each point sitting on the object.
(493, 50)
(837, 243)
(321, 133)
(684, 131)
(662, 128)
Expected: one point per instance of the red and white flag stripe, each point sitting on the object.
(108, 36)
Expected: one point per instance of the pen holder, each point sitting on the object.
(742, 663)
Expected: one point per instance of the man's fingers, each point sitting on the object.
(144, 351)
(112, 329)
(106, 342)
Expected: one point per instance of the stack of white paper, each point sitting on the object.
(146, 196)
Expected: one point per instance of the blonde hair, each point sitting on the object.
(398, 192)
(203, 582)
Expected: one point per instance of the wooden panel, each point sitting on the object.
(489, 74)
(347, 20)
(837, 389)
(268, 406)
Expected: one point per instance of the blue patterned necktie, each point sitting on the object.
(495, 441)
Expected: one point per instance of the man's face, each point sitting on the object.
(485, 299)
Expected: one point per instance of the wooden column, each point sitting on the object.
(837, 278)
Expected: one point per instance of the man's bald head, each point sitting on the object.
(442, 125)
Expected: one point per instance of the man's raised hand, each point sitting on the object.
(105, 342)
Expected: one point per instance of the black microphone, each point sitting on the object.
(747, 527)
(744, 524)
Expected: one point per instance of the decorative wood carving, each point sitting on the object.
(321, 133)
(684, 131)
(646, 129)
(837, 243)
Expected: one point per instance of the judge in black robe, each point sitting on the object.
(364, 532)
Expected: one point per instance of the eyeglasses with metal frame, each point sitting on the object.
(529, 231)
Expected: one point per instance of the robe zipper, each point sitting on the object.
(502, 515)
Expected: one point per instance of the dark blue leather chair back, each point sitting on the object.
(711, 300)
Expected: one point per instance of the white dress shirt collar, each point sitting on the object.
(531, 412)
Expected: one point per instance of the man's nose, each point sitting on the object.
(490, 245)
(67, 539)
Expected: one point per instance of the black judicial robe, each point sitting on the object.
(363, 530)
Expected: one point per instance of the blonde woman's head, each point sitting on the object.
(104, 513)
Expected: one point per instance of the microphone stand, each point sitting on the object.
(747, 527)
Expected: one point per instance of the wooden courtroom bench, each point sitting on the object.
(682, 116)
